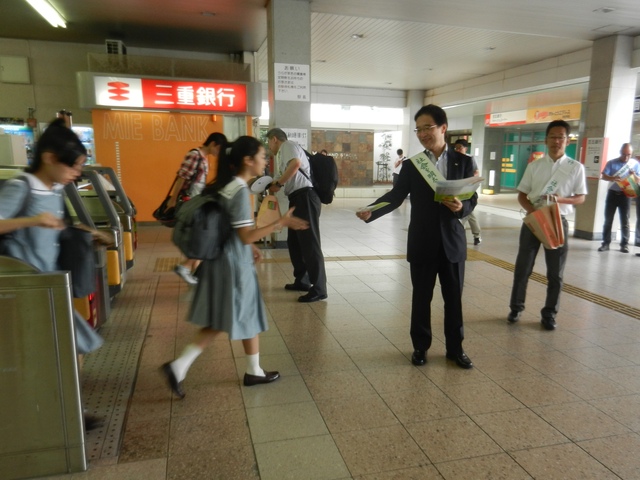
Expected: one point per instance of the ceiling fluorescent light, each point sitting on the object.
(49, 13)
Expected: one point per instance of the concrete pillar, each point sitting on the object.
(477, 140)
(415, 101)
(289, 50)
(609, 114)
(289, 40)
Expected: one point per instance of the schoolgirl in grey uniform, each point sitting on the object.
(228, 298)
(58, 160)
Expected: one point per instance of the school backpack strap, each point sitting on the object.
(21, 213)
(26, 201)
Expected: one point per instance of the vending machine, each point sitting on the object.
(16, 144)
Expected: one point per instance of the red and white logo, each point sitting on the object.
(118, 91)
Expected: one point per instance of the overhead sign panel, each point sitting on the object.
(100, 91)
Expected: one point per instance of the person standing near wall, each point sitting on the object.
(190, 181)
(397, 166)
(614, 171)
(305, 249)
(462, 146)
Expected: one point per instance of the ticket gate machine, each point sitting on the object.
(105, 217)
(95, 309)
(124, 207)
(41, 430)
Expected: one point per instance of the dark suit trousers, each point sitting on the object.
(616, 201)
(555, 260)
(305, 250)
(423, 278)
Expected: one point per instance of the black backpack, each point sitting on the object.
(324, 176)
(202, 227)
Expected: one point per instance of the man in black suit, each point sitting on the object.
(436, 245)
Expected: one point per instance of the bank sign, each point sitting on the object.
(101, 91)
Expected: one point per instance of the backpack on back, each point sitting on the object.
(21, 213)
(324, 176)
(202, 228)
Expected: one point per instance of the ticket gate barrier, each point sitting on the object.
(41, 417)
(105, 217)
(124, 207)
(94, 308)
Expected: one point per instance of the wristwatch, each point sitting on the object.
(278, 184)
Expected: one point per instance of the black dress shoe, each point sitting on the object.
(548, 323)
(174, 384)
(91, 422)
(514, 316)
(251, 380)
(311, 297)
(419, 357)
(461, 359)
(298, 287)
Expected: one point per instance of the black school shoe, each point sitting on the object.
(174, 384)
(419, 357)
(548, 323)
(311, 297)
(461, 359)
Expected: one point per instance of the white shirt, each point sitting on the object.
(440, 162)
(571, 179)
(397, 169)
(289, 150)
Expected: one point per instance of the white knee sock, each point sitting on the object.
(181, 364)
(253, 365)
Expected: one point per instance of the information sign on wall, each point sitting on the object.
(292, 82)
(298, 135)
(504, 119)
(593, 156)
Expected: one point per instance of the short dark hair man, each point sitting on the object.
(552, 178)
(305, 251)
(436, 246)
(615, 170)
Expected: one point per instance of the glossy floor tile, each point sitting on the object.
(350, 405)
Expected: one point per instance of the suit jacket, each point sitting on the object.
(432, 224)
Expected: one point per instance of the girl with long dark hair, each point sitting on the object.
(228, 298)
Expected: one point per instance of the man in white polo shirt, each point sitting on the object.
(552, 178)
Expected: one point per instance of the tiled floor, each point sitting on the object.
(349, 405)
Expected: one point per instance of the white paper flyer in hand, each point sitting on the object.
(462, 189)
(373, 208)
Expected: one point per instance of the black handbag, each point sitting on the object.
(167, 216)
(77, 256)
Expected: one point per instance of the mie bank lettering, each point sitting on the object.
(154, 127)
